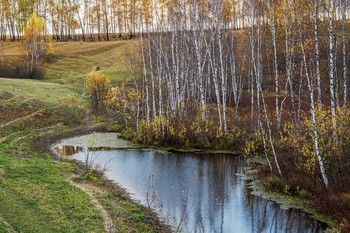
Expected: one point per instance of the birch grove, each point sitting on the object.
(214, 67)
(222, 74)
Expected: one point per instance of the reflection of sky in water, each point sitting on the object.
(202, 190)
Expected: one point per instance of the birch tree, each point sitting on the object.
(35, 41)
(317, 54)
(271, 12)
(344, 7)
(332, 69)
(313, 113)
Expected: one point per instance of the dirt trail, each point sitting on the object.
(90, 190)
(21, 118)
(9, 227)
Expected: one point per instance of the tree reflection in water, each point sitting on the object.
(202, 193)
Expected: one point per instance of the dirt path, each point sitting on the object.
(91, 190)
(9, 227)
(21, 118)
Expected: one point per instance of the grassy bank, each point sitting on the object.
(37, 190)
(39, 193)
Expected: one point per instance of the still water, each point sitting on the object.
(196, 193)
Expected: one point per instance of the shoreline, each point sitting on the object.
(254, 183)
(286, 201)
(106, 185)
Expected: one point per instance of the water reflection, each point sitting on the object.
(71, 150)
(199, 193)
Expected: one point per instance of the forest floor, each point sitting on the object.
(38, 191)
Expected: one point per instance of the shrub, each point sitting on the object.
(123, 103)
(274, 183)
(20, 71)
(189, 130)
(303, 194)
(98, 87)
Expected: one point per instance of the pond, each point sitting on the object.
(193, 193)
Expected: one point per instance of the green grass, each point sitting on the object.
(35, 195)
(36, 198)
(128, 216)
(48, 93)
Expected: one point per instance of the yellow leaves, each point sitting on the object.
(97, 85)
(188, 130)
(35, 27)
(124, 103)
(228, 11)
(151, 132)
(50, 51)
(219, 133)
(35, 40)
(253, 145)
(300, 138)
(97, 82)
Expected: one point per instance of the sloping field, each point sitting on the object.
(50, 93)
(37, 193)
(73, 61)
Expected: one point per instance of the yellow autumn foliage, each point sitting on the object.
(98, 86)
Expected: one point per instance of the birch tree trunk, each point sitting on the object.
(289, 43)
(332, 70)
(1, 52)
(154, 113)
(144, 76)
(271, 12)
(198, 44)
(313, 115)
(317, 53)
(345, 71)
(223, 80)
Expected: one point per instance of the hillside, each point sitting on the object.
(39, 193)
(72, 61)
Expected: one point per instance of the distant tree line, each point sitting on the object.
(93, 19)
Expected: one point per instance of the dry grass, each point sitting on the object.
(74, 60)
(66, 72)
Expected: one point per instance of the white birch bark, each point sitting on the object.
(175, 69)
(160, 77)
(317, 54)
(275, 61)
(223, 80)
(313, 116)
(332, 70)
(198, 45)
(289, 43)
(144, 76)
(345, 71)
(154, 113)
(236, 83)
(257, 71)
(1, 52)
